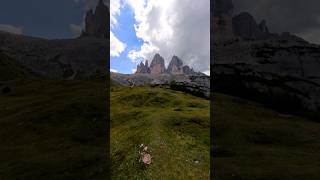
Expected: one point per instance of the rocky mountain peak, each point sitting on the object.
(157, 65)
(263, 26)
(143, 68)
(222, 20)
(96, 23)
(175, 66)
(246, 27)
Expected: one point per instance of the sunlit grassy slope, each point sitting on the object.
(174, 126)
(253, 142)
(52, 129)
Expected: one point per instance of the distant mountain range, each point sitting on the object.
(157, 66)
(180, 76)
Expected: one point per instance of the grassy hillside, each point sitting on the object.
(252, 142)
(52, 129)
(10, 69)
(174, 126)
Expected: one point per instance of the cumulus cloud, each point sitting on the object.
(207, 72)
(11, 28)
(76, 29)
(113, 70)
(115, 6)
(144, 53)
(116, 46)
(173, 27)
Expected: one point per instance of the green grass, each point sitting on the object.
(53, 129)
(252, 142)
(10, 69)
(174, 125)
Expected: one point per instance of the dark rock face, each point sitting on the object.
(187, 70)
(97, 22)
(175, 66)
(282, 74)
(222, 19)
(278, 70)
(246, 27)
(263, 27)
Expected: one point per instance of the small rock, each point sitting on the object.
(146, 159)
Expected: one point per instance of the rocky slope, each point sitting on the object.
(281, 70)
(176, 75)
(194, 84)
(73, 58)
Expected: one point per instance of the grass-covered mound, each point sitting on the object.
(53, 129)
(174, 125)
(252, 142)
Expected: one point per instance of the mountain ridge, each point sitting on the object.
(157, 66)
(79, 58)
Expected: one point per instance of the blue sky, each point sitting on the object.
(125, 32)
(40, 18)
(146, 27)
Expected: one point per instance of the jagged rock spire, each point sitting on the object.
(175, 66)
(97, 23)
(157, 66)
(222, 20)
(143, 68)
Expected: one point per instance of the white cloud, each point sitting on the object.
(113, 70)
(311, 35)
(115, 6)
(173, 27)
(11, 28)
(76, 29)
(143, 53)
(207, 72)
(116, 46)
(133, 70)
